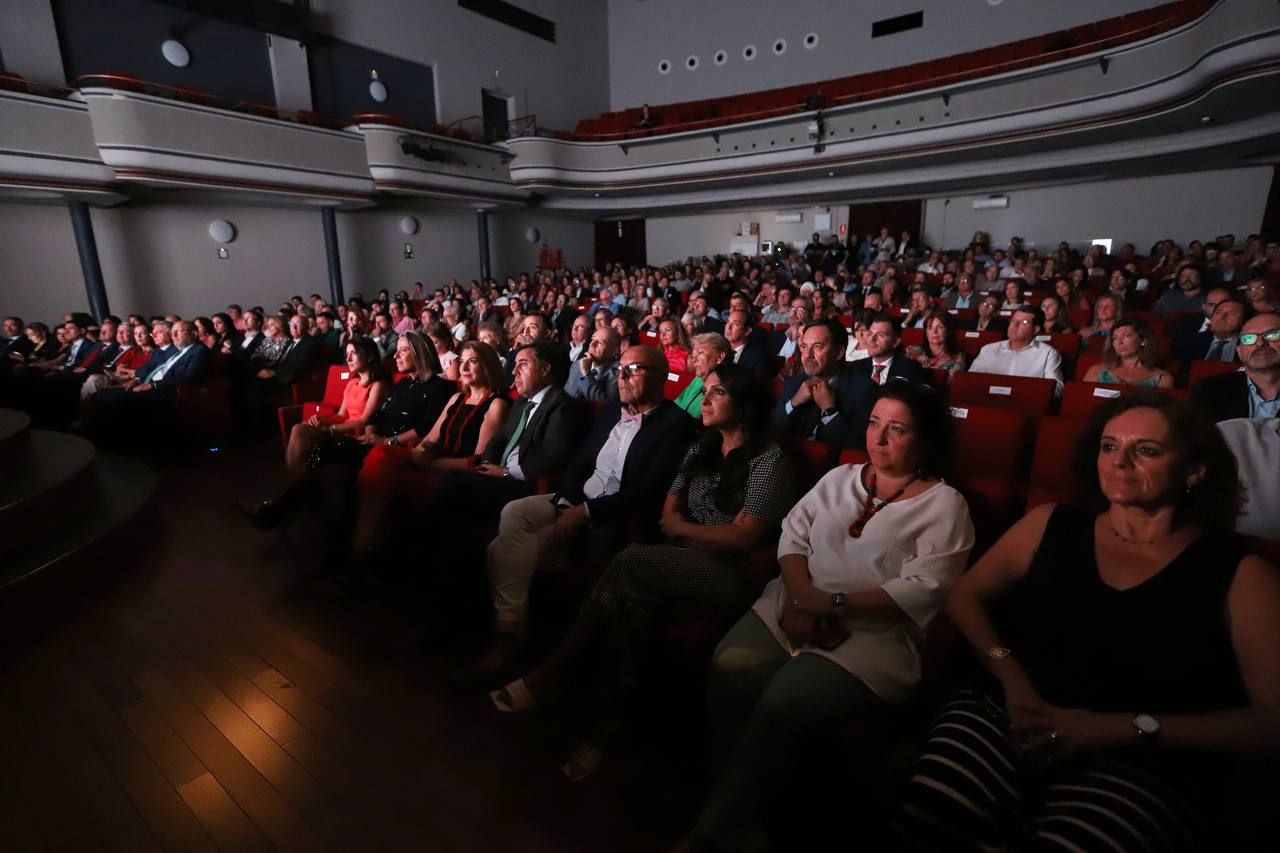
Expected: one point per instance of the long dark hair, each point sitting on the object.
(752, 399)
(372, 357)
(1213, 504)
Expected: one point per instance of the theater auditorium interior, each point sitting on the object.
(639, 425)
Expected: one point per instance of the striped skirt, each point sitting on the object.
(972, 791)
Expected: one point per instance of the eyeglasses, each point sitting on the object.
(633, 370)
(1248, 339)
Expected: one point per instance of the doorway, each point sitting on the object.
(620, 241)
(497, 109)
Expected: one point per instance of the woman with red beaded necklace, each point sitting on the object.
(867, 558)
(471, 418)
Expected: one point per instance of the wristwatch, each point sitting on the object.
(837, 600)
(1148, 727)
(998, 652)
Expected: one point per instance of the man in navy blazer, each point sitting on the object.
(749, 351)
(1253, 392)
(150, 403)
(831, 401)
(620, 473)
(1214, 338)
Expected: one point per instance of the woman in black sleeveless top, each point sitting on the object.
(1131, 647)
(469, 421)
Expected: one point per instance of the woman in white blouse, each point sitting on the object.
(867, 559)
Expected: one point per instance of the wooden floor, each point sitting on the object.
(200, 693)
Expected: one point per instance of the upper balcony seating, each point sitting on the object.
(987, 62)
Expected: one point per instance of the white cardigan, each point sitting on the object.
(913, 549)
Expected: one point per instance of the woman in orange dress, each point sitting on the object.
(361, 397)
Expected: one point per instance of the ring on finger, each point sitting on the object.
(1053, 736)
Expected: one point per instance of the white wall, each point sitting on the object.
(671, 238)
(1199, 205)
(29, 40)
(511, 253)
(644, 32)
(560, 82)
(39, 269)
(371, 245)
(158, 257)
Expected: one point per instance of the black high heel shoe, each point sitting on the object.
(268, 515)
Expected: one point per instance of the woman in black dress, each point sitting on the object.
(1130, 648)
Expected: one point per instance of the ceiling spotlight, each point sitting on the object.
(831, 174)
(1206, 119)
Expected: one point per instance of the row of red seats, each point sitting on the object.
(1039, 50)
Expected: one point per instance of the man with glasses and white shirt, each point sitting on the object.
(1022, 354)
(622, 470)
(1253, 392)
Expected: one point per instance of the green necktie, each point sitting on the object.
(515, 436)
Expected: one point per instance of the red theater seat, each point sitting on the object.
(1050, 480)
(676, 383)
(989, 464)
(1031, 396)
(971, 342)
(809, 459)
(1079, 399)
(329, 404)
(1204, 369)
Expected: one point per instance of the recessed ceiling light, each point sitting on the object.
(831, 174)
(597, 195)
(1206, 119)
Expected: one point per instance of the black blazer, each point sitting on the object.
(549, 439)
(757, 358)
(998, 324)
(304, 354)
(21, 345)
(1225, 396)
(648, 470)
(193, 367)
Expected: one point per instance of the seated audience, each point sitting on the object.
(243, 347)
(438, 335)
(594, 376)
(732, 490)
(579, 338)
(146, 404)
(1256, 447)
(988, 318)
(867, 558)
(1055, 316)
(708, 351)
(1260, 294)
(1253, 392)
(859, 342)
(1217, 342)
(964, 297)
(1066, 290)
(1107, 311)
(1021, 354)
(322, 436)
(538, 437)
(1013, 298)
(939, 349)
(275, 341)
(615, 484)
(1131, 356)
(749, 351)
(135, 349)
(674, 344)
(785, 342)
(384, 334)
(15, 345)
(258, 392)
(1109, 731)
(918, 309)
(1186, 296)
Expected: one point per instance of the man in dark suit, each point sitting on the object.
(988, 318)
(540, 435)
(1214, 339)
(831, 401)
(1255, 391)
(150, 404)
(254, 393)
(15, 339)
(618, 479)
(700, 307)
(749, 351)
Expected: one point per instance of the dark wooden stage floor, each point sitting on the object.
(198, 692)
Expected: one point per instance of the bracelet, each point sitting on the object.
(333, 430)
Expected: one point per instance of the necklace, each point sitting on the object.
(1124, 538)
(869, 508)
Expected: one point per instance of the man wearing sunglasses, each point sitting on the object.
(1253, 392)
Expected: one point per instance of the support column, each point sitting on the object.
(87, 247)
(482, 229)
(336, 296)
